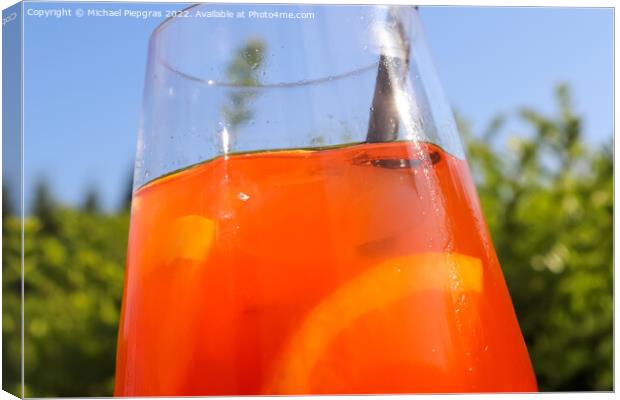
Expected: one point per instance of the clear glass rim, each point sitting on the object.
(278, 85)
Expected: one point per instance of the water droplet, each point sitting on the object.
(470, 369)
(486, 348)
(433, 350)
(147, 173)
(243, 197)
(267, 122)
(210, 82)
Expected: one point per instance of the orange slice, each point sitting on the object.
(190, 238)
(374, 289)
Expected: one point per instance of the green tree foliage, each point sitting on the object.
(91, 203)
(8, 208)
(547, 197)
(11, 299)
(548, 200)
(73, 287)
(243, 71)
(44, 206)
(127, 193)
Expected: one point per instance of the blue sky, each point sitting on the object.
(84, 81)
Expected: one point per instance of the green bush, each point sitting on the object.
(73, 288)
(548, 199)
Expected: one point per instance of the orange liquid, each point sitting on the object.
(362, 269)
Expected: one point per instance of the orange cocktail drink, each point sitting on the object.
(358, 269)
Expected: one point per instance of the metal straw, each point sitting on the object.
(391, 75)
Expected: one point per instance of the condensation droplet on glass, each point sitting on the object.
(486, 348)
(210, 82)
(470, 369)
(243, 196)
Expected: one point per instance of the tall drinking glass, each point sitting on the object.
(303, 219)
